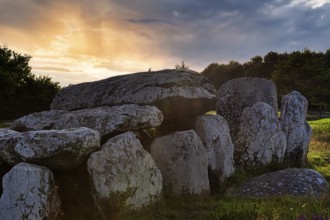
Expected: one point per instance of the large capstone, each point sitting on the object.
(29, 192)
(215, 135)
(107, 120)
(56, 149)
(237, 94)
(295, 127)
(177, 93)
(260, 140)
(291, 181)
(124, 177)
(183, 161)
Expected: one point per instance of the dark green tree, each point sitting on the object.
(14, 70)
(254, 68)
(306, 72)
(21, 92)
(221, 73)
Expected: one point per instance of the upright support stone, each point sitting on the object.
(295, 127)
(124, 177)
(260, 140)
(215, 134)
(182, 159)
(29, 192)
(237, 94)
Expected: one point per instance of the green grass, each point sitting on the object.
(4, 124)
(319, 149)
(285, 207)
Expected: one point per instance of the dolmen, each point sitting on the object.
(133, 139)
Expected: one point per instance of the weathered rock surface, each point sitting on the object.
(295, 127)
(237, 94)
(29, 192)
(177, 93)
(107, 120)
(8, 141)
(124, 176)
(45, 120)
(56, 149)
(215, 135)
(291, 181)
(260, 139)
(183, 161)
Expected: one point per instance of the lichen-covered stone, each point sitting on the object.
(56, 149)
(291, 181)
(29, 192)
(177, 93)
(107, 120)
(295, 127)
(124, 177)
(215, 135)
(38, 121)
(260, 140)
(8, 141)
(183, 161)
(237, 94)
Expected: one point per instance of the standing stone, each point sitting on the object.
(260, 139)
(183, 161)
(29, 192)
(215, 135)
(124, 177)
(107, 120)
(237, 94)
(177, 93)
(56, 149)
(295, 127)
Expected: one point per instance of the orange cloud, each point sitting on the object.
(72, 37)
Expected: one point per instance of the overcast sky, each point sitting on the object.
(74, 41)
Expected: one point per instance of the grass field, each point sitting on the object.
(319, 150)
(286, 207)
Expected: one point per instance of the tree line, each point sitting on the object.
(21, 92)
(305, 71)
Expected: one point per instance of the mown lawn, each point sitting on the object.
(285, 207)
